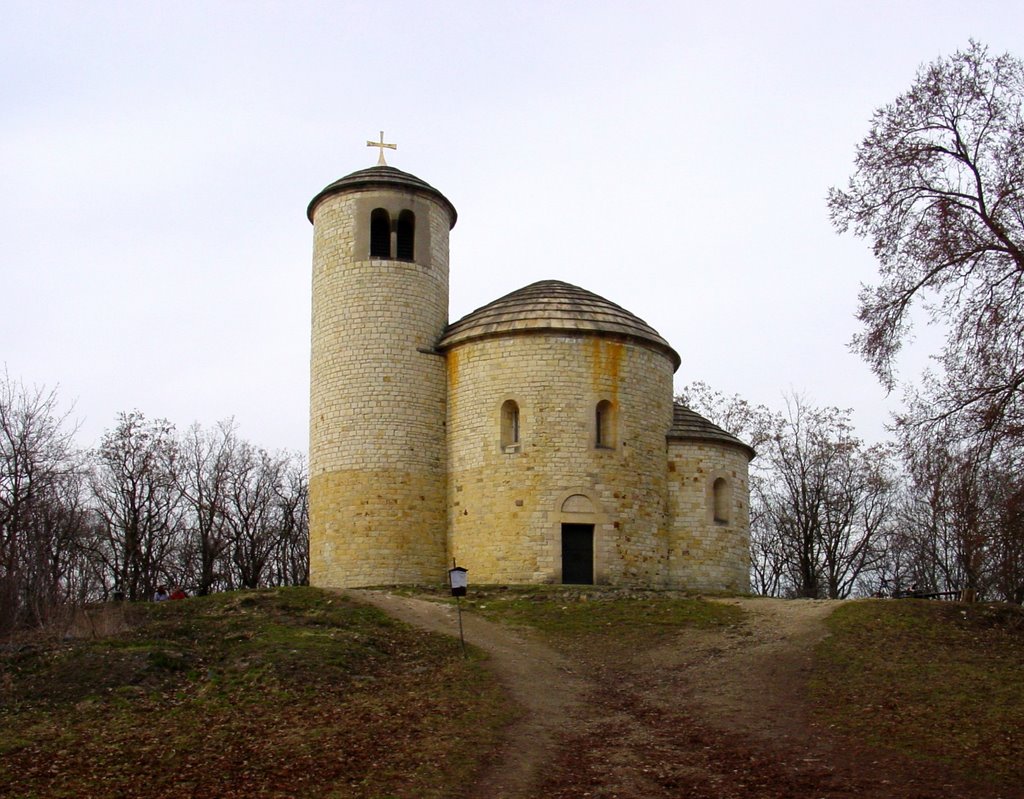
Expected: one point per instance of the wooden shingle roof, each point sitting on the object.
(552, 306)
(688, 425)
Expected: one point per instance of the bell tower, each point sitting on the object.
(377, 383)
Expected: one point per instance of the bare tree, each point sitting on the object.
(56, 571)
(809, 454)
(204, 471)
(135, 488)
(252, 519)
(1008, 546)
(290, 560)
(962, 514)
(821, 502)
(750, 423)
(938, 189)
(854, 504)
(768, 563)
(40, 503)
(210, 511)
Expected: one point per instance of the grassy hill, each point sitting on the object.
(938, 682)
(290, 692)
(298, 692)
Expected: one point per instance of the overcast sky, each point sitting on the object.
(156, 161)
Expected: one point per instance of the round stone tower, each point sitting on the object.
(377, 383)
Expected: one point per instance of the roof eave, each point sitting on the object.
(369, 182)
(737, 444)
(458, 340)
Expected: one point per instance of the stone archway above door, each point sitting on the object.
(578, 503)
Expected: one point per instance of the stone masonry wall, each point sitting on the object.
(706, 554)
(506, 508)
(377, 404)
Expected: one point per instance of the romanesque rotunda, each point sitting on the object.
(535, 440)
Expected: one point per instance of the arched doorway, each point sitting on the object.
(577, 539)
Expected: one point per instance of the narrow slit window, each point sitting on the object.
(510, 426)
(380, 234)
(604, 425)
(720, 498)
(406, 244)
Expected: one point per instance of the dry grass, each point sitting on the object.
(939, 682)
(296, 692)
(290, 692)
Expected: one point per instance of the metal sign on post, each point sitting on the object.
(458, 581)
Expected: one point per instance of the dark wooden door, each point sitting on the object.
(578, 554)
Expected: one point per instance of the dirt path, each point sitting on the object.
(711, 715)
(757, 671)
(540, 680)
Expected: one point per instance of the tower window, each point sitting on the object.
(510, 426)
(380, 234)
(406, 249)
(720, 498)
(604, 425)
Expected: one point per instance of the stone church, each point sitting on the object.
(535, 440)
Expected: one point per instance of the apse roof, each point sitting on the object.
(551, 305)
(380, 177)
(688, 425)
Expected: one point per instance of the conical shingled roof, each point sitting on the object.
(551, 305)
(688, 425)
(380, 177)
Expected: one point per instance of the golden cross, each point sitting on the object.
(381, 145)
